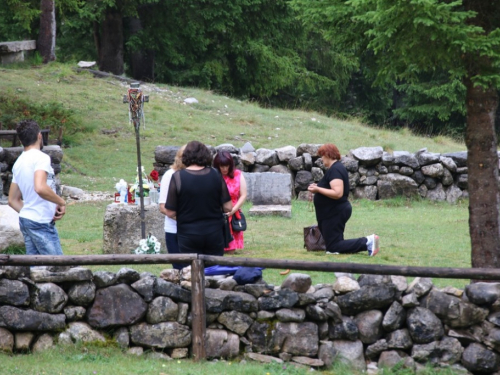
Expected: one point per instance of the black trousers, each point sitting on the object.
(332, 230)
(208, 244)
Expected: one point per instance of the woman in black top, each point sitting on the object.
(333, 210)
(197, 197)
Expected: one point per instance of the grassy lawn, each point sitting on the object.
(98, 360)
(414, 233)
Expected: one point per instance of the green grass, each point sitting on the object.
(412, 233)
(98, 360)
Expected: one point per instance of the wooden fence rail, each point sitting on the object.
(115, 259)
(198, 263)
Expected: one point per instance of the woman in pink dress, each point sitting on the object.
(237, 187)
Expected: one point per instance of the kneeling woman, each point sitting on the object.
(333, 209)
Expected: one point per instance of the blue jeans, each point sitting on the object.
(40, 239)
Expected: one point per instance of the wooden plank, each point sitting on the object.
(113, 259)
(374, 269)
(81, 260)
(198, 310)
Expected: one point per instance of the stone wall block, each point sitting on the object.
(120, 219)
(286, 153)
(115, 306)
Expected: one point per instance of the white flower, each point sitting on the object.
(153, 238)
(142, 242)
(157, 247)
(145, 247)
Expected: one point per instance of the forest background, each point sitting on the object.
(250, 49)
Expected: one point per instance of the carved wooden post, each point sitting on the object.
(136, 100)
(198, 309)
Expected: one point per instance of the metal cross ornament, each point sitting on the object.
(136, 99)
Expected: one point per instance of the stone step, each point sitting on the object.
(271, 210)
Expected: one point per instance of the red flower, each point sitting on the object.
(154, 175)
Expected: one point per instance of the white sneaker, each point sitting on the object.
(328, 252)
(375, 246)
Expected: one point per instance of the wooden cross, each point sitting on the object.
(136, 100)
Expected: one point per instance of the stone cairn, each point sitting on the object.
(8, 157)
(368, 323)
(373, 173)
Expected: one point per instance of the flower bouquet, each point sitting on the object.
(150, 245)
(146, 185)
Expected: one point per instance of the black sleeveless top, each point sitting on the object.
(197, 197)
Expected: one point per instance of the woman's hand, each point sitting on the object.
(313, 188)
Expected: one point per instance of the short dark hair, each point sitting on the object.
(196, 153)
(224, 159)
(27, 131)
(330, 151)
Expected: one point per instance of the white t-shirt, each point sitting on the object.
(35, 207)
(170, 224)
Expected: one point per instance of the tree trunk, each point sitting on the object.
(141, 60)
(111, 42)
(482, 165)
(46, 43)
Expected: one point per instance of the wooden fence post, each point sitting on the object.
(198, 310)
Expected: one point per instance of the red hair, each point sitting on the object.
(330, 151)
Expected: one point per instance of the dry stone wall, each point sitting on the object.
(8, 157)
(373, 173)
(369, 322)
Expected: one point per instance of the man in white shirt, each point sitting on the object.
(32, 194)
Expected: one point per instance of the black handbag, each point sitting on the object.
(239, 224)
(226, 231)
(313, 240)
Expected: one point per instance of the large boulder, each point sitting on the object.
(82, 293)
(368, 297)
(483, 293)
(296, 338)
(222, 344)
(222, 300)
(49, 298)
(424, 326)
(477, 359)
(30, 320)
(308, 148)
(268, 188)
(368, 155)
(393, 184)
(14, 292)
(369, 326)
(10, 234)
(116, 305)
(120, 219)
(162, 309)
(404, 158)
(266, 157)
(298, 282)
(447, 351)
(350, 353)
(82, 332)
(161, 335)
(166, 154)
(286, 153)
(460, 158)
(235, 321)
(452, 310)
